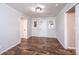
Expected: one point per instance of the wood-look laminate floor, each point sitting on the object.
(39, 46)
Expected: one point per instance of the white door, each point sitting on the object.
(22, 27)
(25, 28)
(40, 29)
(77, 28)
(34, 28)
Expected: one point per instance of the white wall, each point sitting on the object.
(61, 24)
(77, 29)
(51, 33)
(28, 27)
(9, 27)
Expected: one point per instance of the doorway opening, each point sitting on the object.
(71, 38)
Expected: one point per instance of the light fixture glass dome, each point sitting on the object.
(38, 9)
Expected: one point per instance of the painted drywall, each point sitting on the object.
(61, 25)
(28, 27)
(9, 27)
(71, 29)
(77, 28)
(44, 31)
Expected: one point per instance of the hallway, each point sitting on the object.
(39, 46)
(39, 28)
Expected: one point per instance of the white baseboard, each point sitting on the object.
(77, 52)
(61, 43)
(52, 37)
(44, 36)
(9, 48)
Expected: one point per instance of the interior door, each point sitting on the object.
(39, 28)
(42, 28)
(34, 27)
(22, 22)
(25, 28)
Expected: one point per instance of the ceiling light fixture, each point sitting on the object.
(56, 5)
(38, 9)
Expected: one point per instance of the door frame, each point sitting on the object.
(38, 28)
(65, 30)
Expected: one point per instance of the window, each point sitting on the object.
(35, 23)
(51, 24)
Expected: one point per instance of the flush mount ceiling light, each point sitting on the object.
(38, 9)
(57, 5)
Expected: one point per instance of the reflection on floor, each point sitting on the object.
(39, 46)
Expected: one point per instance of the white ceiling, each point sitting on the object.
(50, 9)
